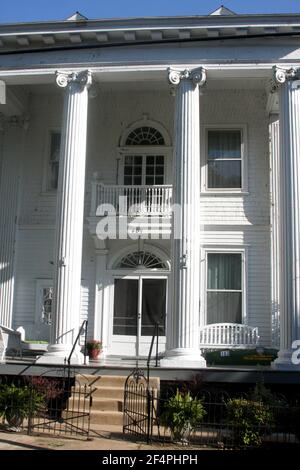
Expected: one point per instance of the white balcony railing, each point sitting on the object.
(132, 200)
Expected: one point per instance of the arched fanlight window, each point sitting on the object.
(141, 259)
(145, 135)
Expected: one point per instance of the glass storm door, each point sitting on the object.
(138, 304)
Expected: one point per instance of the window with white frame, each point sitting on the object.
(225, 154)
(224, 292)
(53, 160)
(44, 301)
(144, 170)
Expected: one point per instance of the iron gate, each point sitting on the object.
(67, 414)
(139, 413)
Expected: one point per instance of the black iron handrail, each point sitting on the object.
(85, 322)
(155, 335)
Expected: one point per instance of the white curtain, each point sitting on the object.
(224, 276)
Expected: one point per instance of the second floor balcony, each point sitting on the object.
(130, 200)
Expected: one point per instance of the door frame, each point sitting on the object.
(137, 339)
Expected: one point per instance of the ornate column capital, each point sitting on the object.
(281, 75)
(197, 76)
(82, 78)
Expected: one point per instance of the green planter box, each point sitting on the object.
(240, 357)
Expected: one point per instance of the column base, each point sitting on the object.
(183, 358)
(288, 359)
(59, 353)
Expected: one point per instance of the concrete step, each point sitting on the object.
(106, 417)
(108, 395)
(109, 380)
(109, 392)
(99, 404)
(107, 404)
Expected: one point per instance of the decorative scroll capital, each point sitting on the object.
(281, 75)
(83, 78)
(197, 76)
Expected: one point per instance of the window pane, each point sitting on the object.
(150, 160)
(127, 180)
(125, 307)
(128, 170)
(224, 174)
(224, 271)
(224, 307)
(153, 306)
(150, 180)
(224, 144)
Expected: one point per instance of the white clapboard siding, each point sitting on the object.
(239, 220)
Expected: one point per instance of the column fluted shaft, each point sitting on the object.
(183, 318)
(69, 218)
(289, 204)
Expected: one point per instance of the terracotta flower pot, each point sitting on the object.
(94, 353)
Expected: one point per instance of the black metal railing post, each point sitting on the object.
(85, 322)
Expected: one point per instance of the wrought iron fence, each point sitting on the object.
(225, 420)
(238, 420)
(37, 404)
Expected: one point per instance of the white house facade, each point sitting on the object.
(149, 173)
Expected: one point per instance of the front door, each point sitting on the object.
(139, 303)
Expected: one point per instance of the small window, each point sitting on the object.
(224, 159)
(53, 162)
(224, 288)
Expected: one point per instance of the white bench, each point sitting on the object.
(228, 335)
(10, 342)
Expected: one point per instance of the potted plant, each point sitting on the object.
(18, 403)
(182, 413)
(94, 348)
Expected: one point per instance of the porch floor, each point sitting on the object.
(114, 365)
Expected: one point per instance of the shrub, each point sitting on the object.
(250, 420)
(181, 415)
(18, 403)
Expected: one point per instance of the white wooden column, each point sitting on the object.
(275, 226)
(289, 200)
(69, 219)
(12, 149)
(183, 319)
